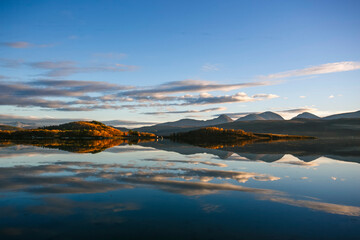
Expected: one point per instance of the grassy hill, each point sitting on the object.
(74, 130)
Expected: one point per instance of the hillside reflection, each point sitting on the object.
(214, 143)
(75, 146)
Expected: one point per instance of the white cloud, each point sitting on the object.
(331, 96)
(268, 96)
(210, 67)
(316, 70)
(238, 97)
(302, 96)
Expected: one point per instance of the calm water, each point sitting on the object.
(164, 190)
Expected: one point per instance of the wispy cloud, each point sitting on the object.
(188, 111)
(206, 98)
(316, 70)
(189, 86)
(73, 95)
(57, 88)
(81, 86)
(16, 44)
(24, 45)
(11, 63)
(45, 121)
(298, 110)
(66, 68)
(37, 94)
(208, 67)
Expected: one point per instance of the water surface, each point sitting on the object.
(166, 190)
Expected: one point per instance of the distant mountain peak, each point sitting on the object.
(267, 115)
(306, 115)
(261, 116)
(225, 118)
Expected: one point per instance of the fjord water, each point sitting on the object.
(166, 190)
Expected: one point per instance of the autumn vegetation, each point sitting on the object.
(75, 130)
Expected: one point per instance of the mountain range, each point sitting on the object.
(222, 119)
(346, 125)
(187, 123)
(198, 123)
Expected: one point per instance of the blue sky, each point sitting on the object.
(166, 60)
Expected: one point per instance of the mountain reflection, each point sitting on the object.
(269, 151)
(304, 151)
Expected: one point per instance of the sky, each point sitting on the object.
(157, 61)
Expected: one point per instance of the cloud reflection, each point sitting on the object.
(318, 206)
(72, 177)
(80, 177)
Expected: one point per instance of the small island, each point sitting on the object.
(75, 130)
(213, 136)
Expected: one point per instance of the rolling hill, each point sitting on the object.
(73, 130)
